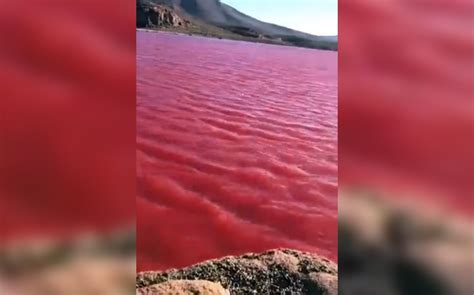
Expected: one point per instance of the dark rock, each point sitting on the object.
(154, 16)
(281, 271)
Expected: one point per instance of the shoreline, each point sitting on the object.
(280, 271)
(240, 39)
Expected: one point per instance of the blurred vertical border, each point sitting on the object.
(406, 147)
(67, 147)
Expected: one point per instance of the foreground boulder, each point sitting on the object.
(280, 271)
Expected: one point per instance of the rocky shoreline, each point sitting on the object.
(281, 271)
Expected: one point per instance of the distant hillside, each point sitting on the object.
(216, 19)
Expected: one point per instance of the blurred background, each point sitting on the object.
(406, 147)
(67, 147)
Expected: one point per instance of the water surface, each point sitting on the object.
(236, 149)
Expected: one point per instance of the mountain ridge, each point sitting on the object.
(216, 19)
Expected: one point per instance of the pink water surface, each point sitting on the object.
(236, 149)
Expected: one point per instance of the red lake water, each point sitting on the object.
(236, 149)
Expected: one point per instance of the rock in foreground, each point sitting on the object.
(184, 287)
(280, 271)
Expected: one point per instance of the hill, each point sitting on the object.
(216, 19)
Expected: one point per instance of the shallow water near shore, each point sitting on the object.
(236, 149)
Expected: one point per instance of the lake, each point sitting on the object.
(236, 149)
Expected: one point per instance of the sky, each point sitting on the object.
(318, 17)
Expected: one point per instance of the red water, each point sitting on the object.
(236, 149)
